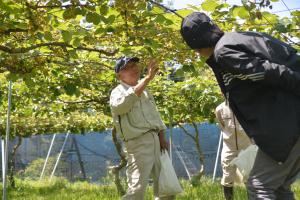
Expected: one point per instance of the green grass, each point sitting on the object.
(61, 189)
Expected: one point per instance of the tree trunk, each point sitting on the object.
(12, 163)
(79, 158)
(196, 179)
(199, 150)
(116, 169)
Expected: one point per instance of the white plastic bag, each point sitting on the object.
(168, 181)
(245, 160)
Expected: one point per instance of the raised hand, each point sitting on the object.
(152, 69)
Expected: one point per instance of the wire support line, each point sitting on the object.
(286, 6)
(291, 9)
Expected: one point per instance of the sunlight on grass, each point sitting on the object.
(61, 189)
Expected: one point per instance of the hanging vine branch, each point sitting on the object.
(59, 44)
(166, 8)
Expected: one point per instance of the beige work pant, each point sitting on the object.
(143, 155)
(231, 149)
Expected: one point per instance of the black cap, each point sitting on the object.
(197, 30)
(122, 61)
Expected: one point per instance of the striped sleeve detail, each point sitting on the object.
(228, 77)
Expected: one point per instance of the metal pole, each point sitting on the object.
(217, 157)
(171, 135)
(183, 163)
(7, 141)
(3, 162)
(59, 155)
(48, 154)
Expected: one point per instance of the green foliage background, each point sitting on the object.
(60, 55)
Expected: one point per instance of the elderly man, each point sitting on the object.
(260, 77)
(139, 124)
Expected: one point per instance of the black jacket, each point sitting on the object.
(260, 77)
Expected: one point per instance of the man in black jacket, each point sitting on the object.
(260, 77)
